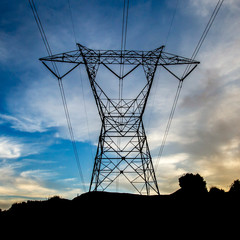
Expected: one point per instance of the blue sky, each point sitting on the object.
(36, 156)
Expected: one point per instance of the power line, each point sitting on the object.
(171, 24)
(71, 16)
(63, 96)
(167, 37)
(42, 32)
(186, 72)
(71, 131)
(123, 44)
(126, 26)
(121, 73)
(169, 123)
(204, 34)
(80, 75)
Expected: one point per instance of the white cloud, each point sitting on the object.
(9, 148)
(168, 169)
(17, 185)
(14, 147)
(205, 7)
(38, 174)
(23, 123)
(39, 108)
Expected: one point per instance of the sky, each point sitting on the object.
(36, 155)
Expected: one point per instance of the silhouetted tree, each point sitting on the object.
(54, 198)
(193, 184)
(235, 187)
(216, 191)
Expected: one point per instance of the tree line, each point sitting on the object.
(195, 183)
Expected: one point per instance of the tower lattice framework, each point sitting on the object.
(122, 149)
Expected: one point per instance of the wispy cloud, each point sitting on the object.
(205, 7)
(9, 148)
(12, 147)
(17, 184)
(39, 108)
(23, 123)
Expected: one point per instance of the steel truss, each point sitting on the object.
(121, 118)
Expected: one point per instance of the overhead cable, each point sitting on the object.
(56, 73)
(186, 72)
(204, 34)
(123, 44)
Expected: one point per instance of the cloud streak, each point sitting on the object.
(17, 184)
(13, 147)
(9, 148)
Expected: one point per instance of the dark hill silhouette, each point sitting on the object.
(96, 211)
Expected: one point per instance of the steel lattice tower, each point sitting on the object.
(122, 119)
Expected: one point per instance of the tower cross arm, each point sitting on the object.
(172, 59)
(67, 57)
(128, 57)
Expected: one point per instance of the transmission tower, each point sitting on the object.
(122, 119)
